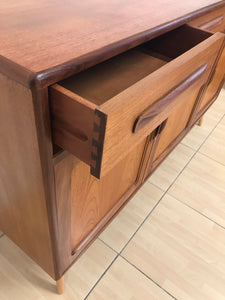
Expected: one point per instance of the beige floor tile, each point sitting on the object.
(219, 104)
(198, 134)
(22, 279)
(123, 281)
(202, 186)
(171, 167)
(214, 146)
(182, 251)
(117, 234)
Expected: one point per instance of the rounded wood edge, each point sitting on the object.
(56, 73)
(60, 285)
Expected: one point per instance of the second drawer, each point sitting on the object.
(101, 113)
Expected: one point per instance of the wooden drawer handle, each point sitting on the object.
(166, 101)
(212, 23)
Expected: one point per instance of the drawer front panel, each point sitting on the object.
(108, 131)
(213, 21)
(167, 102)
(128, 106)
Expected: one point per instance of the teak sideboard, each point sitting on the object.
(93, 96)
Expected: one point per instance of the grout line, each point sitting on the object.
(200, 213)
(206, 136)
(118, 254)
(148, 277)
(217, 124)
(187, 145)
(211, 158)
(99, 279)
(103, 274)
(157, 203)
(143, 222)
(155, 185)
(107, 245)
(96, 283)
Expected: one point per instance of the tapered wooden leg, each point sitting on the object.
(60, 285)
(200, 121)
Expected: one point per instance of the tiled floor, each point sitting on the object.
(167, 243)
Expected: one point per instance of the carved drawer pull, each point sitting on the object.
(167, 100)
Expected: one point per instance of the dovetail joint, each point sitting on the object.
(98, 142)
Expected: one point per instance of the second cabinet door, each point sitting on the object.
(174, 130)
(213, 88)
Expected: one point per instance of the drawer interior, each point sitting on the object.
(100, 83)
(176, 42)
(105, 80)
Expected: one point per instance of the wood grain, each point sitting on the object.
(78, 126)
(53, 212)
(124, 108)
(213, 21)
(23, 211)
(168, 102)
(103, 81)
(175, 124)
(72, 122)
(92, 198)
(73, 115)
(215, 84)
(63, 171)
(60, 40)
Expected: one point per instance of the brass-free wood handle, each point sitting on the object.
(166, 102)
(209, 25)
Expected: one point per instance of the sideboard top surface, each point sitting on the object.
(44, 37)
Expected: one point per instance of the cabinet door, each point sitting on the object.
(214, 87)
(174, 130)
(94, 201)
(214, 22)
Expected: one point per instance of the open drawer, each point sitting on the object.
(101, 113)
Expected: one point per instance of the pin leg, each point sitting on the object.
(60, 285)
(200, 121)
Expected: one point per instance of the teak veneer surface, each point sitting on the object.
(23, 211)
(50, 209)
(55, 36)
(92, 199)
(104, 81)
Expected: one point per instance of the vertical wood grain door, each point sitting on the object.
(174, 130)
(93, 201)
(213, 87)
